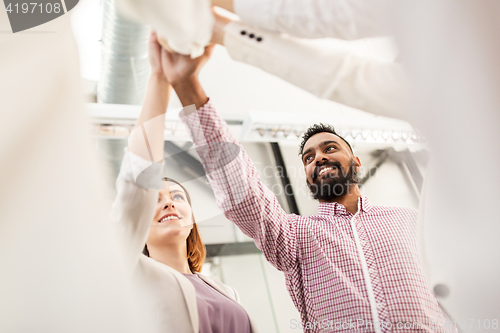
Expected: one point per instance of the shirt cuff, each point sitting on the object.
(238, 44)
(257, 13)
(204, 124)
(146, 174)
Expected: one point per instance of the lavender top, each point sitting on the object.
(216, 312)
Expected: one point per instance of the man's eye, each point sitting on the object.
(178, 197)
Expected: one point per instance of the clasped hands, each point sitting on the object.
(172, 67)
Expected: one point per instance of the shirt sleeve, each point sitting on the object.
(239, 192)
(327, 71)
(134, 206)
(186, 25)
(343, 19)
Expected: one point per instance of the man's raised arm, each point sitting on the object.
(238, 190)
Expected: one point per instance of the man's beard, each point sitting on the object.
(333, 185)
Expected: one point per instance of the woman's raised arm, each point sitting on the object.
(142, 169)
(148, 131)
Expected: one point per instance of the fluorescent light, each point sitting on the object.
(116, 121)
(358, 128)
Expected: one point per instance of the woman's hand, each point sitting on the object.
(154, 54)
(153, 109)
(182, 72)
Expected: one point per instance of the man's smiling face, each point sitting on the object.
(329, 165)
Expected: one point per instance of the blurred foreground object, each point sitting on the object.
(451, 51)
(186, 25)
(344, 19)
(326, 70)
(59, 268)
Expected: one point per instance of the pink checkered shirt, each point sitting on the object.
(318, 254)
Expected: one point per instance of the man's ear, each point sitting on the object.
(358, 163)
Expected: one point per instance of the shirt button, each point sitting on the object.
(380, 306)
(243, 32)
(259, 39)
(371, 270)
(251, 35)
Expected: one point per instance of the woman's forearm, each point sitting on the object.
(155, 100)
(146, 140)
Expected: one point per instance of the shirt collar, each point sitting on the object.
(334, 208)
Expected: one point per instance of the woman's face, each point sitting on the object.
(172, 221)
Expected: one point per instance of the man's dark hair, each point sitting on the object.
(319, 128)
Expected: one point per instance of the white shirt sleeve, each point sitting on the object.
(327, 72)
(343, 19)
(134, 206)
(186, 25)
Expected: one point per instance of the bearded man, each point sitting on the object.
(352, 266)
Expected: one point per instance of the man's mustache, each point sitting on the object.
(315, 173)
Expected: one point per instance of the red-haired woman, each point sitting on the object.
(153, 215)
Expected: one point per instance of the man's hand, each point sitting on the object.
(180, 68)
(182, 72)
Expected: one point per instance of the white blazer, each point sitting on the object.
(327, 71)
(344, 19)
(171, 295)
